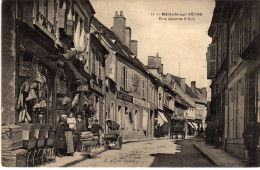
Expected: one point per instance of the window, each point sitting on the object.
(124, 81)
(160, 100)
(136, 120)
(143, 88)
(119, 112)
(93, 62)
(100, 67)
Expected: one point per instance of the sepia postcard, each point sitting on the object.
(130, 83)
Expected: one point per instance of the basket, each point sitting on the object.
(93, 141)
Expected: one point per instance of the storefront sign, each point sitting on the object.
(124, 96)
(141, 102)
(83, 87)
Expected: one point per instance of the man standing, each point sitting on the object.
(80, 127)
(250, 139)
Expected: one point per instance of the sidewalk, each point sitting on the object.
(217, 156)
(78, 156)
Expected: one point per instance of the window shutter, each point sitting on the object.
(236, 43)
(126, 77)
(211, 63)
(242, 86)
(61, 18)
(122, 77)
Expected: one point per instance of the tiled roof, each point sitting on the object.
(187, 88)
(181, 101)
(115, 44)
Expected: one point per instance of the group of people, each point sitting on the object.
(68, 133)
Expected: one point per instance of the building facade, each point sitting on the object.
(234, 69)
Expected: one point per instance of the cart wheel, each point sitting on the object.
(52, 154)
(119, 143)
(30, 159)
(44, 156)
(35, 157)
(106, 144)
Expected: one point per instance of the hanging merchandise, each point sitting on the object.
(43, 104)
(77, 35)
(36, 106)
(27, 115)
(39, 77)
(24, 115)
(75, 100)
(20, 100)
(31, 95)
(65, 100)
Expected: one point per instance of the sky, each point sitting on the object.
(182, 44)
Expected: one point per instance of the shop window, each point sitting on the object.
(35, 85)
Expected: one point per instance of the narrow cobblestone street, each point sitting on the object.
(157, 153)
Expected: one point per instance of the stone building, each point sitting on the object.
(127, 99)
(233, 65)
(44, 65)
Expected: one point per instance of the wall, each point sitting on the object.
(8, 63)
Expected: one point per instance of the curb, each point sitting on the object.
(211, 160)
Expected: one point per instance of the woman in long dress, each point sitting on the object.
(70, 127)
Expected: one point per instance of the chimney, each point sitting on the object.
(204, 91)
(128, 36)
(161, 69)
(183, 84)
(119, 26)
(157, 61)
(133, 47)
(193, 86)
(150, 60)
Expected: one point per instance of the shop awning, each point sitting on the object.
(73, 73)
(191, 125)
(195, 125)
(163, 116)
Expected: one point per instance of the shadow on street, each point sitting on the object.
(187, 157)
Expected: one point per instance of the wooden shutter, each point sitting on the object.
(61, 18)
(211, 63)
(122, 77)
(126, 77)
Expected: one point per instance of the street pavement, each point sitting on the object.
(154, 153)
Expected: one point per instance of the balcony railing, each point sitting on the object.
(46, 26)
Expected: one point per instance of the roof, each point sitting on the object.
(187, 88)
(181, 101)
(116, 45)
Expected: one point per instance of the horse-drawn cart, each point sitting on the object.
(177, 128)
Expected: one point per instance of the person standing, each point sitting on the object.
(69, 130)
(80, 127)
(95, 128)
(250, 140)
(60, 140)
